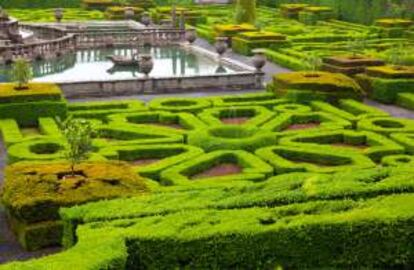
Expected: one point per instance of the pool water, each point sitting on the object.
(93, 65)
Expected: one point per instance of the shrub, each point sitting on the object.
(231, 137)
(26, 107)
(253, 169)
(245, 42)
(405, 139)
(406, 100)
(44, 149)
(287, 159)
(33, 194)
(245, 11)
(398, 160)
(315, 85)
(21, 73)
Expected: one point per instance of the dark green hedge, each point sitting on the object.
(39, 3)
(349, 10)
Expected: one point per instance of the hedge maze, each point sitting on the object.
(206, 175)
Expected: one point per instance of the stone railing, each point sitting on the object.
(153, 36)
(41, 49)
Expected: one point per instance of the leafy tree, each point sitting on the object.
(312, 61)
(245, 11)
(78, 133)
(21, 73)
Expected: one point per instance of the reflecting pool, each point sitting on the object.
(93, 65)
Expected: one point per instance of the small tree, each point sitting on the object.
(78, 133)
(21, 73)
(245, 11)
(312, 61)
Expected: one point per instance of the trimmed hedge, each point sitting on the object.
(405, 139)
(42, 149)
(32, 195)
(315, 85)
(164, 156)
(318, 121)
(253, 168)
(124, 134)
(297, 236)
(101, 109)
(292, 108)
(192, 105)
(398, 160)
(231, 137)
(287, 159)
(255, 115)
(245, 42)
(179, 123)
(367, 143)
(406, 100)
(267, 100)
(387, 125)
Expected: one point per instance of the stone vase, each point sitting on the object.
(58, 12)
(146, 64)
(190, 35)
(145, 19)
(129, 13)
(221, 45)
(259, 59)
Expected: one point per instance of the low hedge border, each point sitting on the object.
(101, 109)
(187, 121)
(254, 169)
(325, 121)
(377, 146)
(287, 159)
(406, 100)
(124, 134)
(231, 137)
(387, 125)
(169, 155)
(292, 108)
(406, 140)
(192, 105)
(398, 160)
(256, 115)
(268, 100)
(349, 109)
(42, 149)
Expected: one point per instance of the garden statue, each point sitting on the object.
(58, 14)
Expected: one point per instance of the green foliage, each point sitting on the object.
(78, 134)
(21, 73)
(245, 12)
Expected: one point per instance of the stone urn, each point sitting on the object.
(146, 64)
(129, 13)
(221, 45)
(190, 35)
(259, 59)
(58, 12)
(146, 19)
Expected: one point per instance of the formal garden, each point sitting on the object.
(209, 134)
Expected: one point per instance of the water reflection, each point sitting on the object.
(93, 64)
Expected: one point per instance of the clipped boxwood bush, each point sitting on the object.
(33, 193)
(265, 99)
(26, 106)
(245, 42)
(405, 139)
(42, 149)
(315, 85)
(231, 137)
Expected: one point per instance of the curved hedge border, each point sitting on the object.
(44, 149)
(268, 100)
(292, 108)
(326, 122)
(192, 105)
(169, 155)
(405, 139)
(254, 169)
(287, 159)
(185, 120)
(377, 146)
(231, 137)
(257, 115)
(398, 160)
(124, 134)
(387, 125)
